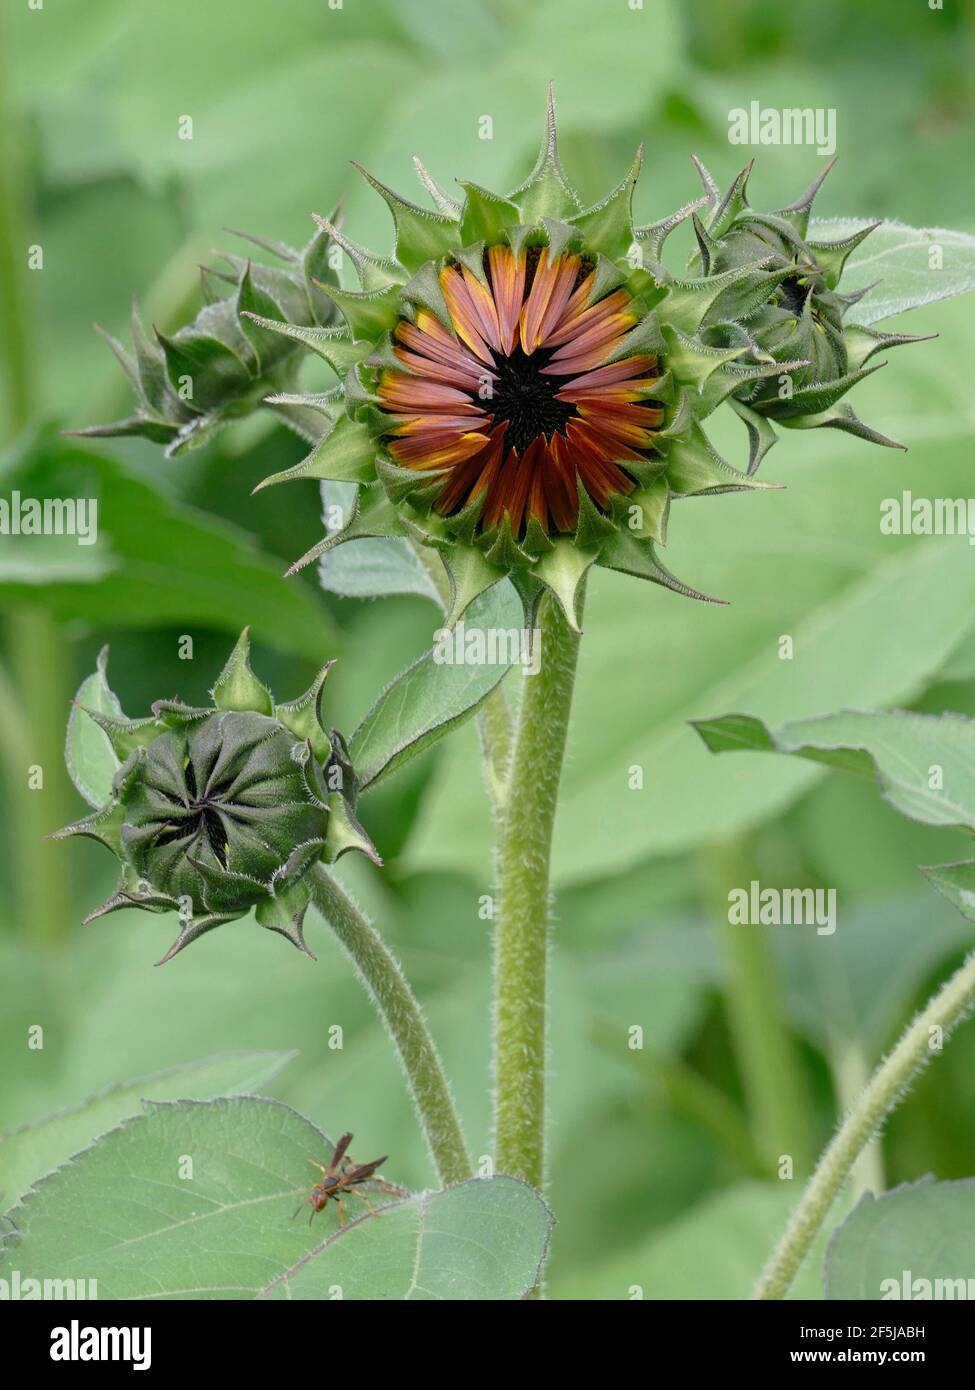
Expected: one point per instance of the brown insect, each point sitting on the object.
(344, 1175)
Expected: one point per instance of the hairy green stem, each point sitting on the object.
(387, 985)
(922, 1039)
(850, 1073)
(521, 932)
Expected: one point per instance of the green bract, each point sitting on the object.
(800, 319)
(217, 810)
(222, 366)
(755, 322)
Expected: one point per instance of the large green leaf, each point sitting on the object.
(29, 1152)
(196, 1200)
(485, 1239)
(916, 1242)
(915, 265)
(161, 562)
(431, 698)
(925, 765)
(150, 1231)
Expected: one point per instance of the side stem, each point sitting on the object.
(921, 1040)
(380, 972)
(521, 934)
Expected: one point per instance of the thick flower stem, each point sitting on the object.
(521, 934)
(390, 992)
(921, 1040)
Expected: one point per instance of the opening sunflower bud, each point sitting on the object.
(511, 404)
(525, 383)
(217, 810)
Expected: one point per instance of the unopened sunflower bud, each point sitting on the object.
(793, 317)
(221, 809)
(224, 365)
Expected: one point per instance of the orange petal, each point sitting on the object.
(508, 283)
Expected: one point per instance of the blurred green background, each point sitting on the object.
(663, 1159)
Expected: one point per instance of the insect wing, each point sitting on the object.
(340, 1150)
(363, 1171)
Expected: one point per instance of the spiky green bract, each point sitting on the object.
(219, 809)
(801, 316)
(227, 362)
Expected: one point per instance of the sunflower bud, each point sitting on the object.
(800, 320)
(217, 810)
(223, 365)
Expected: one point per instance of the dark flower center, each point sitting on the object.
(206, 819)
(794, 294)
(526, 399)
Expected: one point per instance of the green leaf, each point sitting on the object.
(900, 257)
(484, 1239)
(608, 225)
(956, 882)
(925, 763)
(916, 1242)
(162, 563)
(431, 697)
(195, 1200)
(156, 1228)
(32, 1150)
(214, 372)
(373, 567)
(89, 755)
